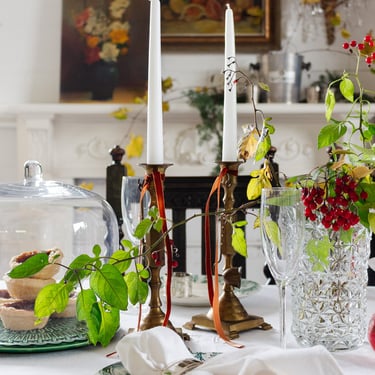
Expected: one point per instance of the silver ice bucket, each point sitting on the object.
(282, 72)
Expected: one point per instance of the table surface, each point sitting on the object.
(264, 302)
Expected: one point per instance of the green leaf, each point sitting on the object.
(330, 133)
(239, 241)
(96, 250)
(121, 260)
(371, 220)
(52, 298)
(110, 322)
(79, 268)
(318, 252)
(264, 86)
(144, 273)
(270, 127)
(138, 289)
(88, 311)
(240, 224)
(347, 89)
(346, 235)
(109, 285)
(127, 244)
(273, 233)
(263, 146)
(153, 212)
(30, 266)
(143, 228)
(158, 224)
(330, 103)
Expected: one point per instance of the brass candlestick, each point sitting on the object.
(155, 316)
(233, 315)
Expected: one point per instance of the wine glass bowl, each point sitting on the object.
(133, 210)
(282, 222)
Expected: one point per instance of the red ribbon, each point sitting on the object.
(158, 181)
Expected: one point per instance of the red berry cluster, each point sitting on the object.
(335, 209)
(366, 48)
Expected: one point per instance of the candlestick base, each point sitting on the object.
(231, 328)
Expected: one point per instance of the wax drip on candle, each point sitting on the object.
(229, 151)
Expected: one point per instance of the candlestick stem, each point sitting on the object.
(155, 316)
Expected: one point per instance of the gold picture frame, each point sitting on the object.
(199, 24)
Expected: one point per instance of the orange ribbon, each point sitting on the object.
(213, 287)
(158, 181)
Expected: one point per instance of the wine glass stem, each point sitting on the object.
(282, 288)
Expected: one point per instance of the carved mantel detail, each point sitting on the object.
(72, 140)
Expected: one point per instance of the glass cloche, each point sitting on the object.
(41, 215)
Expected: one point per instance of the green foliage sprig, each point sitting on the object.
(341, 193)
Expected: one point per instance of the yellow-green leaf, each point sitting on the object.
(239, 241)
(318, 251)
(121, 113)
(134, 148)
(254, 187)
(273, 233)
(371, 220)
(347, 89)
(52, 298)
(330, 103)
(264, 86)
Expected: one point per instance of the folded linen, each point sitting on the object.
(157, 350)
(160, 350)
(267, 360)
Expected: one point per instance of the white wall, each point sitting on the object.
(30, 40)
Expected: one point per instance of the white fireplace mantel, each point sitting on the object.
(73, 140)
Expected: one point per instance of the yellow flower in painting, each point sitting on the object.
(134, 148)
(119, 36)
(92, 41)
(106, 33)
(124, 51)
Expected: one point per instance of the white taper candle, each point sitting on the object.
(229, 151)
(155, 141)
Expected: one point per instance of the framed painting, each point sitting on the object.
(77, 64)
(200, 24)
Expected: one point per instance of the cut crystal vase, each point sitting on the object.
(329, 297)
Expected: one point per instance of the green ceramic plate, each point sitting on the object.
(58, 334)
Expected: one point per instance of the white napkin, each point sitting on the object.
(154, 351)
(268, 360)
(160, 350)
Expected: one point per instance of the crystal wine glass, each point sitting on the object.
(132, 211)
(282, 223)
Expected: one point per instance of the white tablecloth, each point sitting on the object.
(88, 360)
